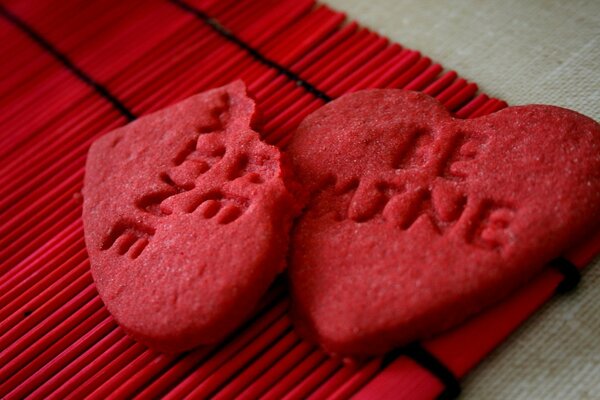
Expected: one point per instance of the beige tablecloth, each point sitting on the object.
(529, 51)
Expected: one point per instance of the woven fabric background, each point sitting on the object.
(536, 51)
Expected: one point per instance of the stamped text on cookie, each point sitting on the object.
(425, 183)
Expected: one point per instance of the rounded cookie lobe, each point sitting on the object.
(416, 220)
(186, 217)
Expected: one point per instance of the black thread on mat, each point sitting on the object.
(67, 63)
(571, 274)
(227, 34)
(428, 361)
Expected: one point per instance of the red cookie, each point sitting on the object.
(418, 220)
(186, 218)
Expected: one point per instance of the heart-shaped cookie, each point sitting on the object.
(418, 220)
(186, 219)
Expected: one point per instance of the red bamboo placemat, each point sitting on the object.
(74, 70)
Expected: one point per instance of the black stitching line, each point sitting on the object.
(428, 361)
(572, 275)
(227, 34)
(452, 389)
(67, 63)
